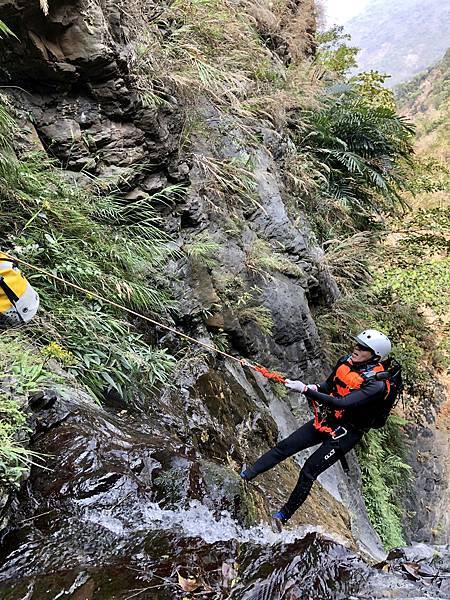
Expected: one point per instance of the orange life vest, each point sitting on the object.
(346, 380)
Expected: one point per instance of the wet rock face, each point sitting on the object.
(163, 565)
(427, 498)
(98, 459)
(126, 511)
(426, 513)
(130, 509)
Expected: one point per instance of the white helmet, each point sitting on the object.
(375, 341)
(24, 308)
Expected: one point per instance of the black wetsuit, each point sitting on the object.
(359, 406)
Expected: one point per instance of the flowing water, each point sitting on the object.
(118, 516)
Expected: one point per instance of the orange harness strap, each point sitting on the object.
(319, 424)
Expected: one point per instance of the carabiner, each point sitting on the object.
(336, 437)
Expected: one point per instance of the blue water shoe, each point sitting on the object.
(247, 474)
(281, 517)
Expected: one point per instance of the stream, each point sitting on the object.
(105, 524)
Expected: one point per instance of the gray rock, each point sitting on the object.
(154, 183)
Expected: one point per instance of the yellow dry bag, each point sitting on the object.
(19, 302)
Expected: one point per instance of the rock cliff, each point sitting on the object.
(72, 76)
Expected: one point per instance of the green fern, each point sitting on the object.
(363, 147)
(384, 471)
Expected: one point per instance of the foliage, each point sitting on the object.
(244, 303)
(55, 350)
(369, 87)
(362, 148)
(347, 259)
(260, 315)
(203, 249)
(233, 179)
(108, 245)
(263, 259)
(333, 53)
(200, 46)
(417, 284)
(23, 370)
(415, 280)
(383, 468)
(5, 30)
(14, 459)
(430, 176)
(221, 341)
(226, 52)
(113, 356)
(8, 160)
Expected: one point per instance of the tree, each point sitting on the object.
(369, 87)
(362, 147)
(334, 54)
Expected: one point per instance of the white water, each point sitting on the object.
(199, 521)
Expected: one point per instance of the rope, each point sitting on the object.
(273, 375)
(277, 377)
(270, 375)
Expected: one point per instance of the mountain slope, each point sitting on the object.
(417, 276)
(426, 100)
(401, 38)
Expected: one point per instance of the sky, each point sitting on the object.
(340, 11)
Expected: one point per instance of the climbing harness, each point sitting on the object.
(345, 381)
(318, 424)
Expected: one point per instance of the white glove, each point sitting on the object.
(313, 387)
(297, 386)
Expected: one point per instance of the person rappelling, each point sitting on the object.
(357, 396)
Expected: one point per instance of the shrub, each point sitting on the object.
(23, 370)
